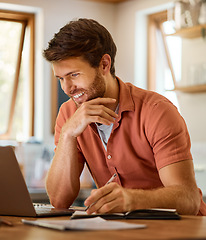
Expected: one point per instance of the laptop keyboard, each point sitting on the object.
(42, 205)
(42, 209)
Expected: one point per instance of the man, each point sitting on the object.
(115, 128)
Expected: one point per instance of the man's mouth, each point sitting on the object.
(78, 95)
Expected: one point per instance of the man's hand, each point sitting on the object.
(109, 198)
(92, 111)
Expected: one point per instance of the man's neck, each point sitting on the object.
(112, 91)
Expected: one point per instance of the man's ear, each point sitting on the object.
(105, 63)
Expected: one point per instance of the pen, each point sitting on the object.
(109, 181)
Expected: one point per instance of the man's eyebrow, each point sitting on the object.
(67, 74)
(58, 77)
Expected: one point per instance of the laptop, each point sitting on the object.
(15, 199)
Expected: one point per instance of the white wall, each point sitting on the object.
(131, 33)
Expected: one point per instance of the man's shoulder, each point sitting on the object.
(145, 96)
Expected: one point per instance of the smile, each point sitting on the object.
(78, 95)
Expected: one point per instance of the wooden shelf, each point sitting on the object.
(191, 32)
(192, 89)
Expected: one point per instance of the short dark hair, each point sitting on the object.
(82, 38)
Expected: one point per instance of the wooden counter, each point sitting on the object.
(189, 227)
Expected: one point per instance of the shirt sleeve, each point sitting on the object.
(168, 134)
(62, 116)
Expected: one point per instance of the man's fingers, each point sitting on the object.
(103, 113)
(102, 101)
(96, 106)
(96, 194)
(100, 197)
(105, 204)
(97, 113)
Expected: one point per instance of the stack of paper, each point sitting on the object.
(96, 223)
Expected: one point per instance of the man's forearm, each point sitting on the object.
(114, 198)
(184, 199)
(62, 181)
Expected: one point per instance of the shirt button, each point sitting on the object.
(109, 157)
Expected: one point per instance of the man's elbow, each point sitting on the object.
(60, 202)
(61, 199)
(194, 203)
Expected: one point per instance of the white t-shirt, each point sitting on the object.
(105, 130)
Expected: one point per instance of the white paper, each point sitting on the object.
(96, 223)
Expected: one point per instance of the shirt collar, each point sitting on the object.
(126, 102)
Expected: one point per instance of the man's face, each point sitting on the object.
(79, 80)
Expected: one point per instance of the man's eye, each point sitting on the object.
(74, 75)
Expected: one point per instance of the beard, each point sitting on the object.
(96, 89)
